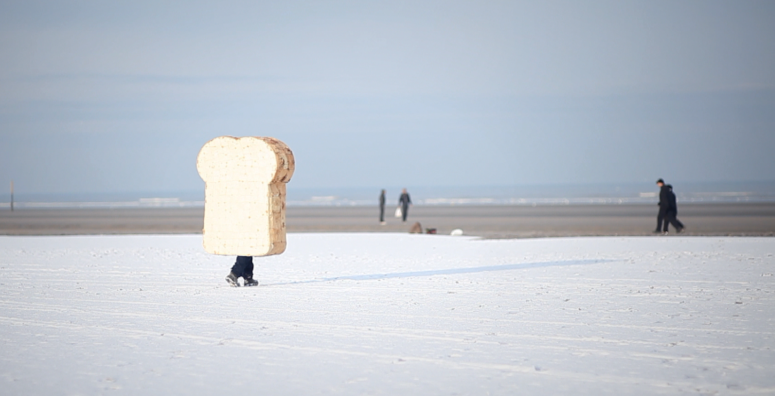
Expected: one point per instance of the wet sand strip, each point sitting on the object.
(728, 219)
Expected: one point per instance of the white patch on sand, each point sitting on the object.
(389, 314)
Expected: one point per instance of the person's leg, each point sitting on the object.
(660, 218)
(248, 271)
(247, 275)
(672, 219)
(671, 216)
(381, 214)
(242, 267)
(677, 223)
(404, 211)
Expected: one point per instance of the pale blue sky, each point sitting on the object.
(119, 96)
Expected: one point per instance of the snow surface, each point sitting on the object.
(389, 314)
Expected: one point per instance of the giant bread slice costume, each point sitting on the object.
(245, 195)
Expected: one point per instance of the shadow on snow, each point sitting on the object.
(450, 271)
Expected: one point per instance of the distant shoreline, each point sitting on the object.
(334, 202)
(519, 195)
(488, 221)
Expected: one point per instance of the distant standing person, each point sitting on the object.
(664, 204)
(404, 201)
(672, 212)
(382, 208)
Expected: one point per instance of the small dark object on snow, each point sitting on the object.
(416, 228)
(430, 230)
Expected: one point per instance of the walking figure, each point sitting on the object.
(664, 203)
(245, 192)
(382, 208)
(404, 202)
(672, 212)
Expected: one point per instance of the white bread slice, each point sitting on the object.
(245, 194)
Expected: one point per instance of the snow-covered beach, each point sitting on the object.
(389, 314)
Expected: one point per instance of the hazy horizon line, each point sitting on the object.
(290, 186)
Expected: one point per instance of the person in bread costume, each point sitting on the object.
(244, 215)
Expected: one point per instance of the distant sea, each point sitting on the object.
(581, 194)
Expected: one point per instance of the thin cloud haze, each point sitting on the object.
(120, 96)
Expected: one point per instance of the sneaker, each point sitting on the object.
(665, 233)
(249, 281)
(232, 279)
(657, 232)
(680, 230)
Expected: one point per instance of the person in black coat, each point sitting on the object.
(382, 207)
(405, 202)
(664, 204)
(672, 212)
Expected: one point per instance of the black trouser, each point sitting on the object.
(404, 211)
(381, 213)
(661, 216)
(670, 218)
(243, 267)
